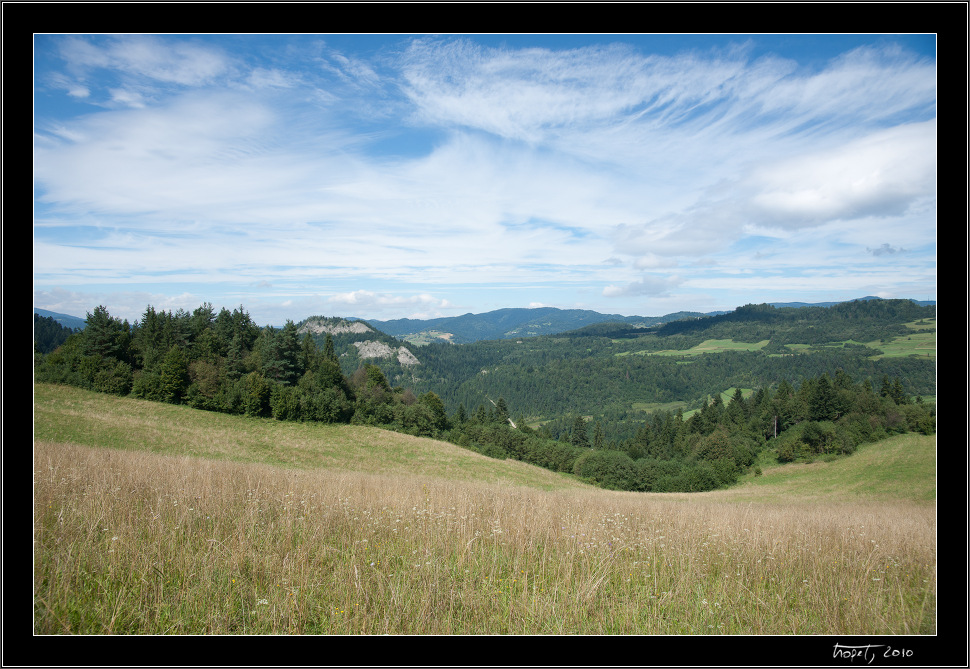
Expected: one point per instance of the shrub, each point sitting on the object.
(608, 469)
(789, 450)
(147, 384)
(651, 473)
(116, 379)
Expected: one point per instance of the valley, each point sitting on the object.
(152, 518)
(683, 405)
(760, 472)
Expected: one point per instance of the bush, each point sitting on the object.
(148, 385)
(283, 402)
(698, 477)
(256, 397)
(789, 450)
(115, 379)
(551, 454)
(651, 472)
(614, 470)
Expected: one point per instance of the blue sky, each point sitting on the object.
(392, 176)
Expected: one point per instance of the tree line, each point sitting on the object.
(225, 362)
(826, 416)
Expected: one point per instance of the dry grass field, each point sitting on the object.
(155, 519)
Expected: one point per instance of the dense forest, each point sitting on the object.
(49, 334)
(583, 385)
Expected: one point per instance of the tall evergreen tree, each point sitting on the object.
(309, 356)
(175, 374)
(821, 399)
(501, 411)
(329, 353)
(579, 437)
(105, 336)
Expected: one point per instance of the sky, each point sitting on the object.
(420, 176)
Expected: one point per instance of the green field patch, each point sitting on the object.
(901, 467)
(651, 407)
(708, 346)
(922, 324)
(920, 343)
(726, 397)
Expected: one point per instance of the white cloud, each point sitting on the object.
(180, 61)
(532, 165)
(648, 286)
(881, 174)
(365, 301)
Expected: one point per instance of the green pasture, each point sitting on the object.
(708, 346)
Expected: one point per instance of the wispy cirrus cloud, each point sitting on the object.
(373, 167)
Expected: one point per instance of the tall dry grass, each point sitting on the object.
(129, 542)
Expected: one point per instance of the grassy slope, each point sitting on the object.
(902, 468)
(167, 520)
(70, 415)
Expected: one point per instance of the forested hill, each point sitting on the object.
(858, 320)
(536, 322)
(511, 324)
(69, 322)
(616, 372)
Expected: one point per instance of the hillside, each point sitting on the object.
(151, 518)
(901, 468)
(537, 322)
(614, 372)
(614, 375)
(74, 416)
(509, 324)
(71, 322)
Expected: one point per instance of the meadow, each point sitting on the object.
(160, 519)
(921, 342)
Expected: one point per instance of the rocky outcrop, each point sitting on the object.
(376, 349)
(405, 357)
(315, 327)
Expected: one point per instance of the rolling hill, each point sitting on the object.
(511, 324)
(901, 468)
(519, 323)
(150, 518)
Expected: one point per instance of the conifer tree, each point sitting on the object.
(104, 335)
(579, 437)
(175, 374)
(309, 356)
(501, 411)
(328, 350)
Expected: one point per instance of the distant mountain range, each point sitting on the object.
(509, 323)
(516, 323)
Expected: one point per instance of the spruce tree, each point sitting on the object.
(175, 374)
(105, 336)
(309, 357)
(329, 353)
(579, 436)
